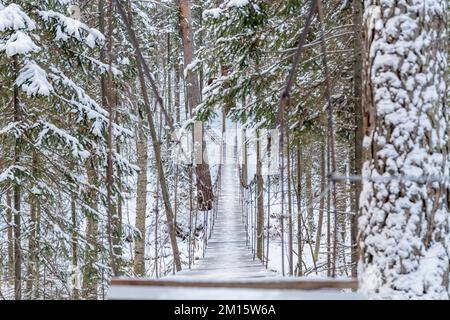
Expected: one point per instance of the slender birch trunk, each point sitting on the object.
(330, 128)
(33, 236)
(177, 105)
(74, 239)
(289, 195)
(161, 175)
(90, 272)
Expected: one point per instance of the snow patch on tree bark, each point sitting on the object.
(404, 223)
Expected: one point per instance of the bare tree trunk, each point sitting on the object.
(260, 203)
(9, 218)
(90, 274)
(322, 201)
(204, 185)
(244, 159)
(32, 238)
(161, 175)
(177, 92)
(107, 94)
(76, 293)
(299, 211)
(157, 232)
(330, 128)
(17, 245)
(359, 135)
(37, 274)
(329, 252)
(289, 194)
(269, 146)
(341, 210)
(309, 195)
(282, 243)
(31, 247)
(17, 198)
(141, 201)
(191, 230)
(119, 232)
(143, 68)
(169, 76)
(117, 218)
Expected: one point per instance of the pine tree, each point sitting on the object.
(56, 131)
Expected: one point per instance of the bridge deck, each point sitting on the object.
(227, 256)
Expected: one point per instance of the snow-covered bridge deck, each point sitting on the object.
(227, 255)
(229, 270)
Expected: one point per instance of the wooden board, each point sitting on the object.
(260, 284)
(131, 292)
(229, 270)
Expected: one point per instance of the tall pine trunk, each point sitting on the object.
(204, 185)
(90, 272)
(141, 201)
(322, 201)
(17, 198)
(359, 135)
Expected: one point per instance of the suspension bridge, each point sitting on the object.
(229, 269)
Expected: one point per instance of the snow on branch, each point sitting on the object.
(68, 28)
(223, 8)
(191, 67)
(102, 67)
(123, 164)
(15, 128)
(11, 173)
(18, 43)
(33, 80)
(12, 17)
(213, 13)
(85, 105)
(237, 3)
(68, 141)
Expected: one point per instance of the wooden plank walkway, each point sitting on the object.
(227, 256)
(225, 290)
